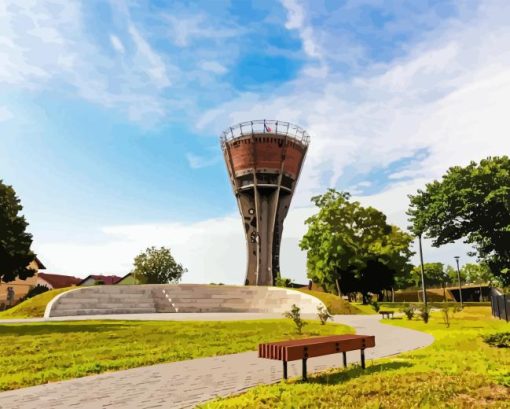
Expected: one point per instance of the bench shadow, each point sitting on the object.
(355, 371)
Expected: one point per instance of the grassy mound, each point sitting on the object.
(33, 307)
(334, 303)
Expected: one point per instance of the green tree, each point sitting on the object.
(474, 273)
(157, 266)
(435, 274)
(352, 247)
(15, 241)
(470, 203)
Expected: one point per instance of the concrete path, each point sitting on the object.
(184, 384)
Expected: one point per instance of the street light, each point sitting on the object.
(460, 284)
(422, 274)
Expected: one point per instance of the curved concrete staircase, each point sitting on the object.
(168, 298)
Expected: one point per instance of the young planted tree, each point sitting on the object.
(15, 241)
(470, 203)
(352, 248)
(157, 266)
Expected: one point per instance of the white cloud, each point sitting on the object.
(5, 114)
(213, 66)
(117, 44)
(48, 45)
(447, 97)
(213, 250)
(185, 29)
(198, 161)
(296, 21)
(153, 63)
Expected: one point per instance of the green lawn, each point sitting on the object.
(37, 353)
(458, 371)
(33, 307)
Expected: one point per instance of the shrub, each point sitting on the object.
(498, 340)
(445, 310)
(323, 314)
(409, 311)
(376, 306)
(425, 314)
(295, 315)
(283, 282)
(38, 289)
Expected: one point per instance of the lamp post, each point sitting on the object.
(422, 274)
(460, 284)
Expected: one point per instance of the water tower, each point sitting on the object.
(264, 160)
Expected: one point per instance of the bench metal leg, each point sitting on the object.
(345, 359)
(363, 358)
(284, 369)
(304, 370)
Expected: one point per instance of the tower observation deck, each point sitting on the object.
(264, 160)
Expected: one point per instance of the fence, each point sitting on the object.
(500, 305)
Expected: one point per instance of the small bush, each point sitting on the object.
(295, 315)
(409, 310)
(38, 289)
(376, 306)
(425, 314)
(323, 314)
(445, 310)
(498, 340)
(283, 282)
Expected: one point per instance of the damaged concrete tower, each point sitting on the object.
(264, 160)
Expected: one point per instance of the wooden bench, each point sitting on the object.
(386, 313)
(308, 348)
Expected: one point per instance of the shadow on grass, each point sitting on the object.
(59, 328)
(355, 371)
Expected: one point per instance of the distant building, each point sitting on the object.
(21, 287)
(53, 281)
(95, 279)
(128, 279)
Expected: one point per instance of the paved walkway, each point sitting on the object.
(184, 384)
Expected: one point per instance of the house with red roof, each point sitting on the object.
(95, 279)
(53, 281)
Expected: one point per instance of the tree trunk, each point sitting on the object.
(338, 287)
(392, 294)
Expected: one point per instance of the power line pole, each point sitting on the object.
(422, 268)
(460, 283)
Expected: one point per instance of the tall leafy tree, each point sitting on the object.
(470, 203)
(353, 247)
(435, 274)
(480, 273)
(157, 266)
(15, 241)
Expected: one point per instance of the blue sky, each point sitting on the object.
(110, 114)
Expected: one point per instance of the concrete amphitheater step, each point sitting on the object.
(178, 298)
